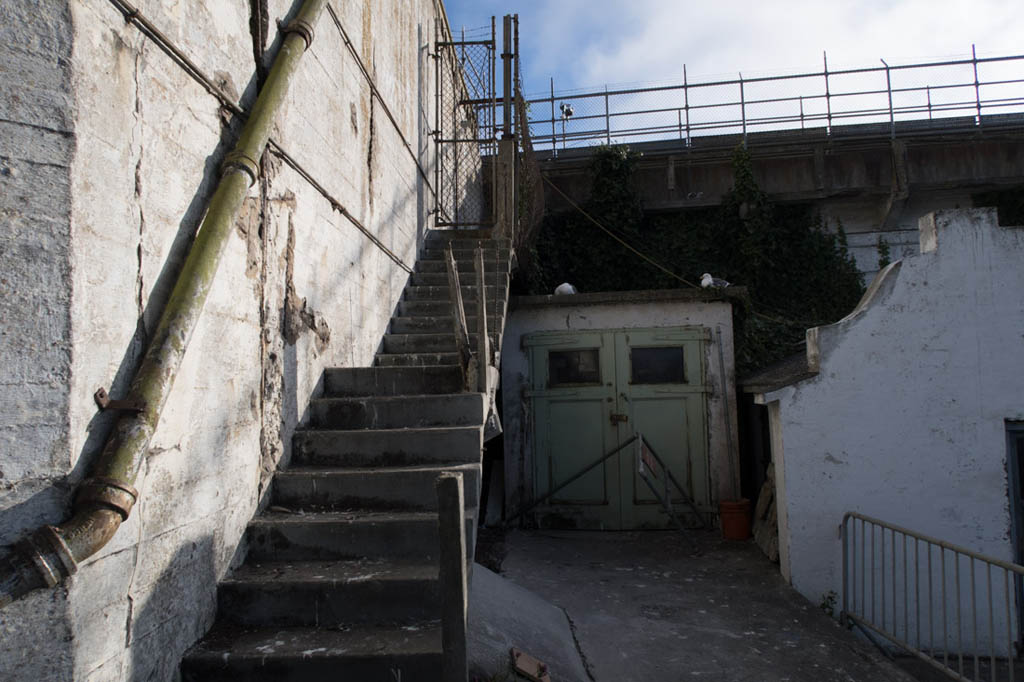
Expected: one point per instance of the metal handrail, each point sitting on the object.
(938, 583)
(598, 124)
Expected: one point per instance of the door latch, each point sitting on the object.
(618, 418)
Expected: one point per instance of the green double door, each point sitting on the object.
(590, 392)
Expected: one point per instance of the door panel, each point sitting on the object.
(572, 401)
(591, 391)
(660, 384)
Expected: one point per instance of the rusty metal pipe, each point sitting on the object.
(105, 500)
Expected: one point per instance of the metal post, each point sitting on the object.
(506, 75)
(888, 89)
(554, 138)
(977, 85)
(743, 111)
(844, 531)
(928, 90)
(607, 120)
(828, 97)
(483, 341)
(801, 112)
(438, 121)
(452, 576)
(686, 104)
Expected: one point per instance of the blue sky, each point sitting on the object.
(596, 42)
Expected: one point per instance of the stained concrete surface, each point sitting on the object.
(503, 615)
(645, 609)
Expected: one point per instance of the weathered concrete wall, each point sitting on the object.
(109, 153)
(906, 419)
(625, 310)
(36, 150)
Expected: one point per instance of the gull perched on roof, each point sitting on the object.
(706, 280)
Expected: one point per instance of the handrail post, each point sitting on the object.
(828, 97)
(977, 85)
(458, 313)
(686, 104)
(845, 607)
(743, 110)
(554, 132)
(483, 344)
(888, 89)
(452, 578)
(607, 120)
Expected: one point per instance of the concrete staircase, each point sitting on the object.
(341, 577)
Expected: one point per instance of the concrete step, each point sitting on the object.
(469, 292)
(388, 447)
(392, 381)
(443, 235)
(329, 593)
(466, 244)
(440, 279)
(355, 654)
(390, 412)
(380, 488)
(429, 343)
(437, 253)
(434, 262)
(444, 309)
(415, 359)
(437, 324)
(330, 536)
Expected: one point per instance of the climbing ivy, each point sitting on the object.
(798, 273)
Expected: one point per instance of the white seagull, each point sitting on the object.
(706, 280)
(565, 288)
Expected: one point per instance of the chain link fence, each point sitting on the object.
(465, 128)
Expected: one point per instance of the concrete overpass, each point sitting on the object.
(876, 179)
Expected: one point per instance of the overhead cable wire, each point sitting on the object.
(616, 237)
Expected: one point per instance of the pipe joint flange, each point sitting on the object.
(239, 160)
(107, 492)
(50, 555)
(302, 27)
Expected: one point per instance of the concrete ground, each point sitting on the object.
(645, 609)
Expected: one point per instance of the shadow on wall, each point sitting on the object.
(163, 622)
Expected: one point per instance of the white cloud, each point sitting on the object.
(600, 41)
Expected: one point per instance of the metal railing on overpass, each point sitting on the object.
(975, 91)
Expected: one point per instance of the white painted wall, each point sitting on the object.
(108, 153)
(906, 418)
(624, 310)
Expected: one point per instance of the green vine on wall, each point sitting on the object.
(798, 273)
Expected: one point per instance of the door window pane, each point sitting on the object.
(657, 366)
(574, 367)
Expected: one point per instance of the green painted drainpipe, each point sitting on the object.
(105, 500)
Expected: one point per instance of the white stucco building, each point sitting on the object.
(909, 410)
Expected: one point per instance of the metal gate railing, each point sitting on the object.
(953, 608)
(464, 129)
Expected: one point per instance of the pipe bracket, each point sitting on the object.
(236, 159)
(50, 555)
(107, 492)
(303, 28)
